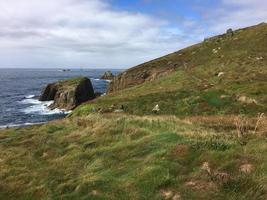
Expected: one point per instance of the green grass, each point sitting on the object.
(186, 93)
(141, 155)
(128, 157)
(72, 81)
(195, 89)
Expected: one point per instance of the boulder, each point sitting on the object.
(107, 76)
(230, 32)
(68, 94)
(220, 74)
(247, 100)
(156, 109)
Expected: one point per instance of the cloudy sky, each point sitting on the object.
(112, 33)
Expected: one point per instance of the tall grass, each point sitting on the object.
(115, 156)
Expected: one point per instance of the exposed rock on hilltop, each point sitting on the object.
(68, 94)
(143, 73)
(107, 76)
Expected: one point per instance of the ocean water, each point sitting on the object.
(20, 88)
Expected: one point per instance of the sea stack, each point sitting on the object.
(68, 94)
(107, 76)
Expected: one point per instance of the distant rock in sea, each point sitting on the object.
(107, 76)
(65, 70)
(68, 94)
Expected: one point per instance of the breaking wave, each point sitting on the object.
(40, 107)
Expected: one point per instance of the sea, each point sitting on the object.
(20, 89)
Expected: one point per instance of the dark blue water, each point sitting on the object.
(20, 88)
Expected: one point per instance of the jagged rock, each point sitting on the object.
(107, 76)
(140, 74)
(230, 32)
(68, 94)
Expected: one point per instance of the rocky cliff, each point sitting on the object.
(68, 94)
(142, 73)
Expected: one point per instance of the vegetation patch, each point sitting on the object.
(112, 156)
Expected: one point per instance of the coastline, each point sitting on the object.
(19, 105)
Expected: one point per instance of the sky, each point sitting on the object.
(112, 33)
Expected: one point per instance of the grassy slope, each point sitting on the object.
(128, 157)
(72, 82)
(194, 88)
(123, 156)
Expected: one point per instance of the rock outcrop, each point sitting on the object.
(230, 32)
(68, 94)
(107, 76)
(143, 73)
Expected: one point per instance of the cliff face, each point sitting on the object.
(49, 92)
(68, 94)
(151, 70)
(142, 73)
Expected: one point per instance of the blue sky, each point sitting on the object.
(167, 8)
(113, 33)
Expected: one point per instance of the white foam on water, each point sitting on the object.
(30, 96)
(33, 101)
(97, 79)
(38, 108)
(41, 107)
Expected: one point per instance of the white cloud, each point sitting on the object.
(37, 33)
(91, 33)
(236, 14)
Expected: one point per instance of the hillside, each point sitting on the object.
(244, 47)
(111, 156)
(223, 75)
(208, 141)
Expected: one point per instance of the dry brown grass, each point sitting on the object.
(241, 125)
(201, 185)
(148, 157)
